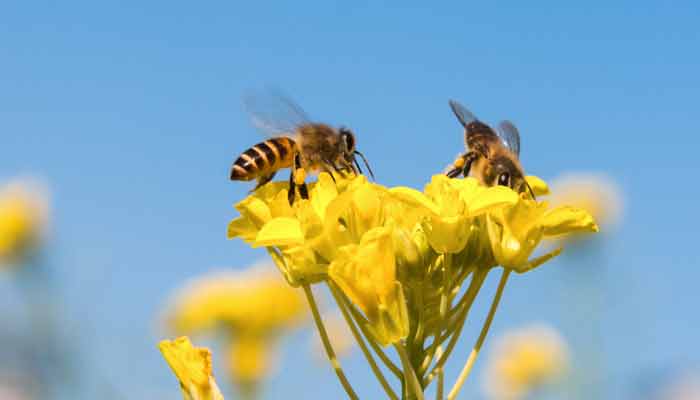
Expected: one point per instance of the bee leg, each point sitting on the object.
(457, 166)
(329, 172)
(263, 179)
(292, 188)
(469, 158)
(304, 191)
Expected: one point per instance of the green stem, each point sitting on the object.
(440, 379)
(327, 344)
(360, 341)
(446, 268)
(363, 323)
(414, 390)
(482, 336)
(472, 291)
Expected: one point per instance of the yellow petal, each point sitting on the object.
(192, 366)
(538, 186)
(492, 197)
(280, 232)
(415, 198)
(323, 192)
(447, 235)
(242, 228)
(563, 220)
(254, 209)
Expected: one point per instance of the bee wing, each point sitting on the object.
(464, 116)
(509, 135)
(273, 113)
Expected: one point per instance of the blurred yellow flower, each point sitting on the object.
(23, 214)
(596, 193)
(253, 307)
(250, 360)
(192, 366)
(255, 300)
(523, 360)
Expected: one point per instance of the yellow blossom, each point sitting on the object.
(516, 231)
(23, 209)
(367, 275)
(252, 308)
(596, 193)
(252, 300)
(523, 360)
(192, 366)
(404, 265)
(450, 206)
(250, 360)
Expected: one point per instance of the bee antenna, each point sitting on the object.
(357, 164)
(530, 189)
(366, 164)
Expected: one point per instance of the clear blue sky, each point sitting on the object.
(132, 114)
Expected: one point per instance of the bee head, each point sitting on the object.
(348, 151)
(505, 172)
(347, 143)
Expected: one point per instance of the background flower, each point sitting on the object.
(524, 359)
(23, 217)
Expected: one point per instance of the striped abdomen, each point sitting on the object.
(263, 158)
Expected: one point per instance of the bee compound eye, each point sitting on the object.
(504, 179)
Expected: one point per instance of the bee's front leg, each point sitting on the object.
(297, 178)
(469, 158)
(457, 166)
(292, 188)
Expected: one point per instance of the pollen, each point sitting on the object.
(459, 162)
(299, 176)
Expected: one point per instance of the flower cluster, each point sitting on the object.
(252, 308)
(396, 258)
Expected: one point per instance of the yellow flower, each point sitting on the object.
(595, 193)
(23, 209)
(252, 308)
(523, 360)
(516, 231)
(252, 300)
(366, 273)
(449, 207)
(192, 366)
(250, 360)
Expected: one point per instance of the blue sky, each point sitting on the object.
(132, 114)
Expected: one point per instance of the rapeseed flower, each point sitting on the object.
(523, 360)
(598, 194)
(397, 259)
(23, 215)
(251, 308)
(192, 367)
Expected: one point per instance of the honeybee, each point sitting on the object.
(295, 143)
(492, 156)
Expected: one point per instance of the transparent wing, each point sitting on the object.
(273, 113)
(509, 135)
(464, 116)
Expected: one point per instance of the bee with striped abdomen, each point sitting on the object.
(492, 156)
(296, 143)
